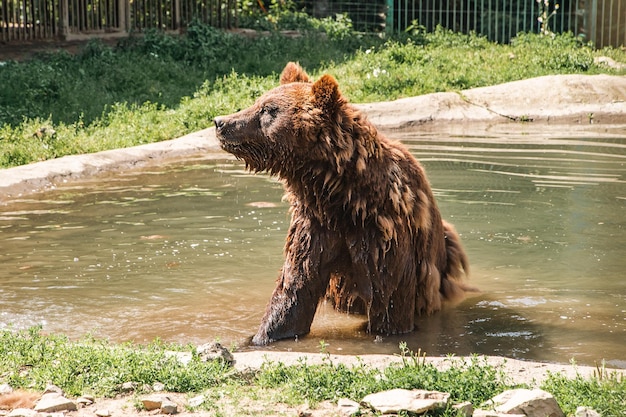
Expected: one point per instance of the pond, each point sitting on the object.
(189, 251)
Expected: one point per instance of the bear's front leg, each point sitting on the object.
(303, 282)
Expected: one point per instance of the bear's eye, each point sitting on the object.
(269, 110)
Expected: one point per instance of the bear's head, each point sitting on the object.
(287, 127)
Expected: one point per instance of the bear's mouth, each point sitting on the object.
(241, 150)
(228, 144)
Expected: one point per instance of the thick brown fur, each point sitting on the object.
(365, 228)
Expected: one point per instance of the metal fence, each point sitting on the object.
(600, 21)
(76, 19)
(498, 20)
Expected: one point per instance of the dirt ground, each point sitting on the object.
(24, 50)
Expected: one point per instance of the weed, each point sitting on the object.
(545, 15)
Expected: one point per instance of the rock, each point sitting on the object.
(103, 412)
(214, 351)
(53, 402)
(586, 412)
(196, 401)
(163, 402)
(466, 408)
(532, 403)
(22, 412)
(5, 389)
(158, 386)
(50, 388)
(128, 386)
(348, 407)
(85, 400)
(169, 407)
(153, 402)
(415, 401)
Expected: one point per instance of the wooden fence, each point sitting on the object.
(76, 19)
(601, 21)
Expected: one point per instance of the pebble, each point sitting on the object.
(53, 402)
(169, 407)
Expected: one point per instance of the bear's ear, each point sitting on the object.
(293, 73)
(326, 93)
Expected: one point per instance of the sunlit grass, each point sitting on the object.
(31, 360)
(160, 87)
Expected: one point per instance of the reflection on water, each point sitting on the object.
(190, 252)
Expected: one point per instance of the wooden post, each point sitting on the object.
(122, 12)
(389, 18)
(177, 18)
(64, 17)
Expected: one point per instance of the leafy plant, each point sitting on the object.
(605, 392)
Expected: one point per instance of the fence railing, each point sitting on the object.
(75, 19)
(601, 21)
(498, 20)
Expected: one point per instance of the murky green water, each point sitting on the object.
(189, 252)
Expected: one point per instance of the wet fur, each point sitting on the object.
(365, 228)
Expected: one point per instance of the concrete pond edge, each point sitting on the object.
(575, 101)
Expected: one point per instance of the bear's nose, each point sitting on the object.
(219, 123)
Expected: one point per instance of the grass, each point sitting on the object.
(31, 360)
(158, 86)
(606, 393)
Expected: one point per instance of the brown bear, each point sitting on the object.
(365, 228)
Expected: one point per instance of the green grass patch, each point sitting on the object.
(605, 393)
(159, 86)
(30, 360)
